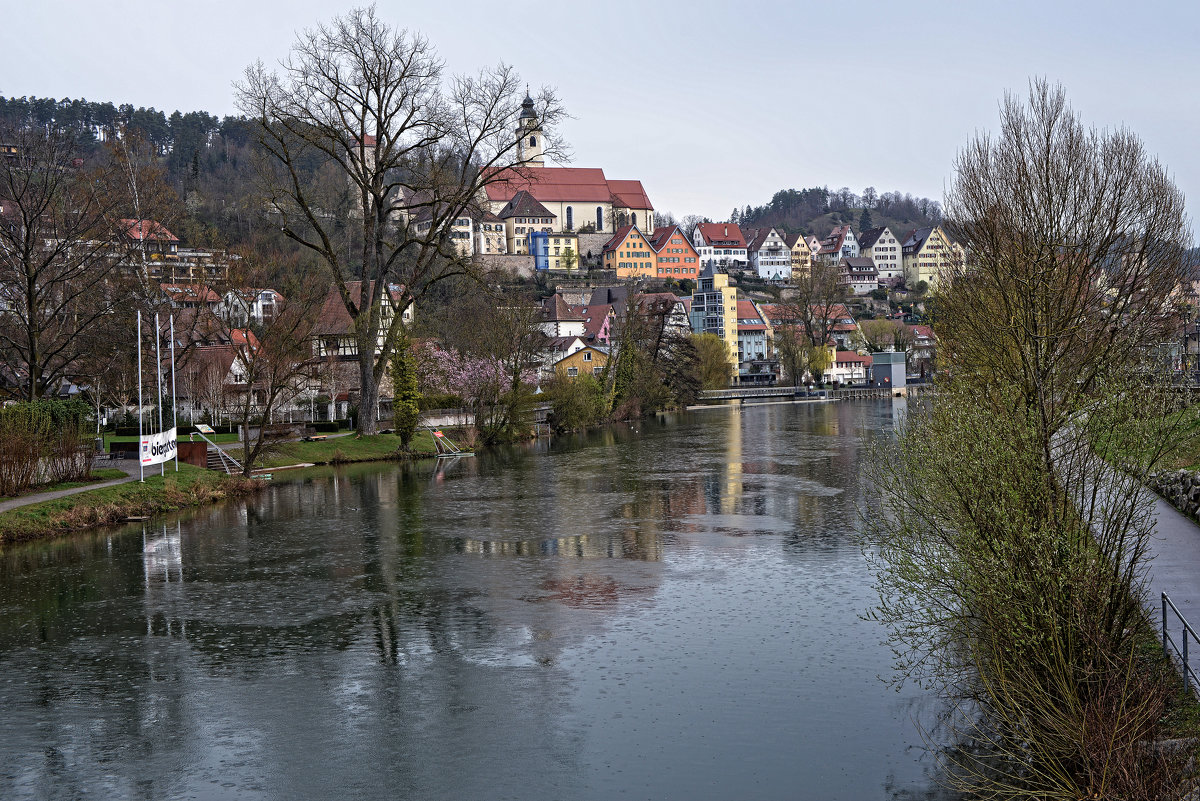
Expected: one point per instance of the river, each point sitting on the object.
(668, 610)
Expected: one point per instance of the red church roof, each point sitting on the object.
(565, 184)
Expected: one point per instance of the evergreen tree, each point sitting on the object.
(864, 220)
(406, 408)
(735, 216)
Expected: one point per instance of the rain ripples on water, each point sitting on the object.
(666, 612)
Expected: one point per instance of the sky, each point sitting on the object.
(711, 105)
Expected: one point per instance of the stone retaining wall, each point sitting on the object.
(1180, 488)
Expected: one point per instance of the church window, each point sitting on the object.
(533, 141)
(635, 218)
(570, 218)
(599, 218)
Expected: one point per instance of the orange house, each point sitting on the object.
(629, 253)
(674, 255)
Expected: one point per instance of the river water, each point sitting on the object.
(671, 610)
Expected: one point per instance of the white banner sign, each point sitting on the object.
(158, 448)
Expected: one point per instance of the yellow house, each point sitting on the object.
(562, 251)
(629, 253)
(587, 361)
(714, 309)
(801, 253)
(928, 252)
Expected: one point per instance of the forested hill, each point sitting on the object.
(818, 210)
(207, 160)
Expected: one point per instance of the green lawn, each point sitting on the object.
(191, 486)
(348, 449)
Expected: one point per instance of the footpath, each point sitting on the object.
(128, 465)
(1175, 566)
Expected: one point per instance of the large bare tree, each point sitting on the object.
(372, 103)
(57, 259)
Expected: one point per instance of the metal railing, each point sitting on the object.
(1190, 680)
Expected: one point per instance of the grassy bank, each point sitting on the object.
(340, 450)
(191, 486)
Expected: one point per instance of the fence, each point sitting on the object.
(1180, 649)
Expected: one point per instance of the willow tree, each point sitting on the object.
(1011, 559)
(373, 153)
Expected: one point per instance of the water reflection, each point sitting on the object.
(669, 610)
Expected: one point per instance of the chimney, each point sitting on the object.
(727, 230)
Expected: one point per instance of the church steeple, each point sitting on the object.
(529, 134)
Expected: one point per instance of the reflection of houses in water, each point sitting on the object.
(632, 545)
(162, 556)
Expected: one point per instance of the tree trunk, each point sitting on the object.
(368, 401)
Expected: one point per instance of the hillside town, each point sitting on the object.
(595, 254)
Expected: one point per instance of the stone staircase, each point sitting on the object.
(214, 461)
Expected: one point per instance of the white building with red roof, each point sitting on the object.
(849, 367)
(577, 197)
(721, 244)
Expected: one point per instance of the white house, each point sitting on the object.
(250, 306)
(841, 243)
(849, 367)
(722, 244)
(769, 255)
(881, 246)
(560, 320)
(858, 274)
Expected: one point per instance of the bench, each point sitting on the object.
(316, 438)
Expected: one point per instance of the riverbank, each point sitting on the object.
(191, 486)
(348, 448)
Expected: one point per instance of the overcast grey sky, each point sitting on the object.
(710, 104)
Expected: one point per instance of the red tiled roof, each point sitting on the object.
(334, 319)
(243, 336)
(850, 357)
(564, 184)
(629, 194)
(196, 292)
(556, 309)
(722, 232)
(142, 230)
(617, 238)
(661, 236)
(746, 310)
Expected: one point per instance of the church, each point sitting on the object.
(580, 199)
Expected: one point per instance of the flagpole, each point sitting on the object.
(174, 414)
(141, 468)
(158, 370)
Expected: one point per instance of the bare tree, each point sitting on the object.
(372, 102)
(57, 264)
(814, 301)
(879, 335)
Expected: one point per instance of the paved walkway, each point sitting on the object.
(128, 465)
(1175, 570)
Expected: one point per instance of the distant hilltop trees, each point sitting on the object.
(207, 159)
(817, 210)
